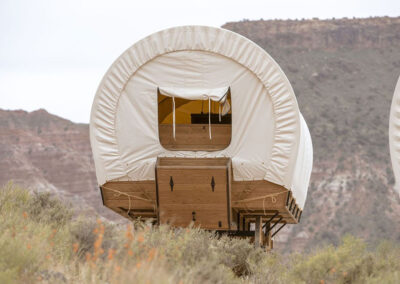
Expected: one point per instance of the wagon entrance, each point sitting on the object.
(191, 190)
(195, 120)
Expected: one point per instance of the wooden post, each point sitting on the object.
(268, 238)
(259, 234)
(246, 225)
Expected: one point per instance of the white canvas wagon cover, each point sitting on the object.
(270, 139)
(394, 135)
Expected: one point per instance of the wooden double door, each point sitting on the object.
(194, 191)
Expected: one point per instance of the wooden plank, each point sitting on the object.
(141, 187)
(221, 130)
(114, 194)
(197, 176)
(135, 204)
(128, 183)
(108, 196)
(251, 216)
(111, 195)
(184, 136)
(294, 209)
(299, 218)
(133, 215)
(194, 147)
(192, 162)
(286, 215)
(195, 136)
(200, 194)
(206, 216)
(229, 193)
(253, 189)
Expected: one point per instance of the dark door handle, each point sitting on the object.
(171, 183)
(212, 184)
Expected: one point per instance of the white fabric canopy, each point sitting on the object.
(216, 94)
(394, 135)
(270, 139)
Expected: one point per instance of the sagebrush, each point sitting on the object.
(41, 242)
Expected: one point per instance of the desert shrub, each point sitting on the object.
(350, 262)
(86, 250)
(267, 268)
(13, 197)
(45, 208)
(83, 235)
(26, 246)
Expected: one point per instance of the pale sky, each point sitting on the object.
(54, 53)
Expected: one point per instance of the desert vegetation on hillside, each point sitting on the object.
(42, 241)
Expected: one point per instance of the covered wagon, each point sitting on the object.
(394, 135)
(199, 125)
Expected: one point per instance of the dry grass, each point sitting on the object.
(41, 243)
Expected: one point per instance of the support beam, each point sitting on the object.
(236, 233)
(270, 219)
(268, 243)
(258, 234)
(288, 198)
(291, 204)
(280, 228)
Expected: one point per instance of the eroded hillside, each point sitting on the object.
(343, 73)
